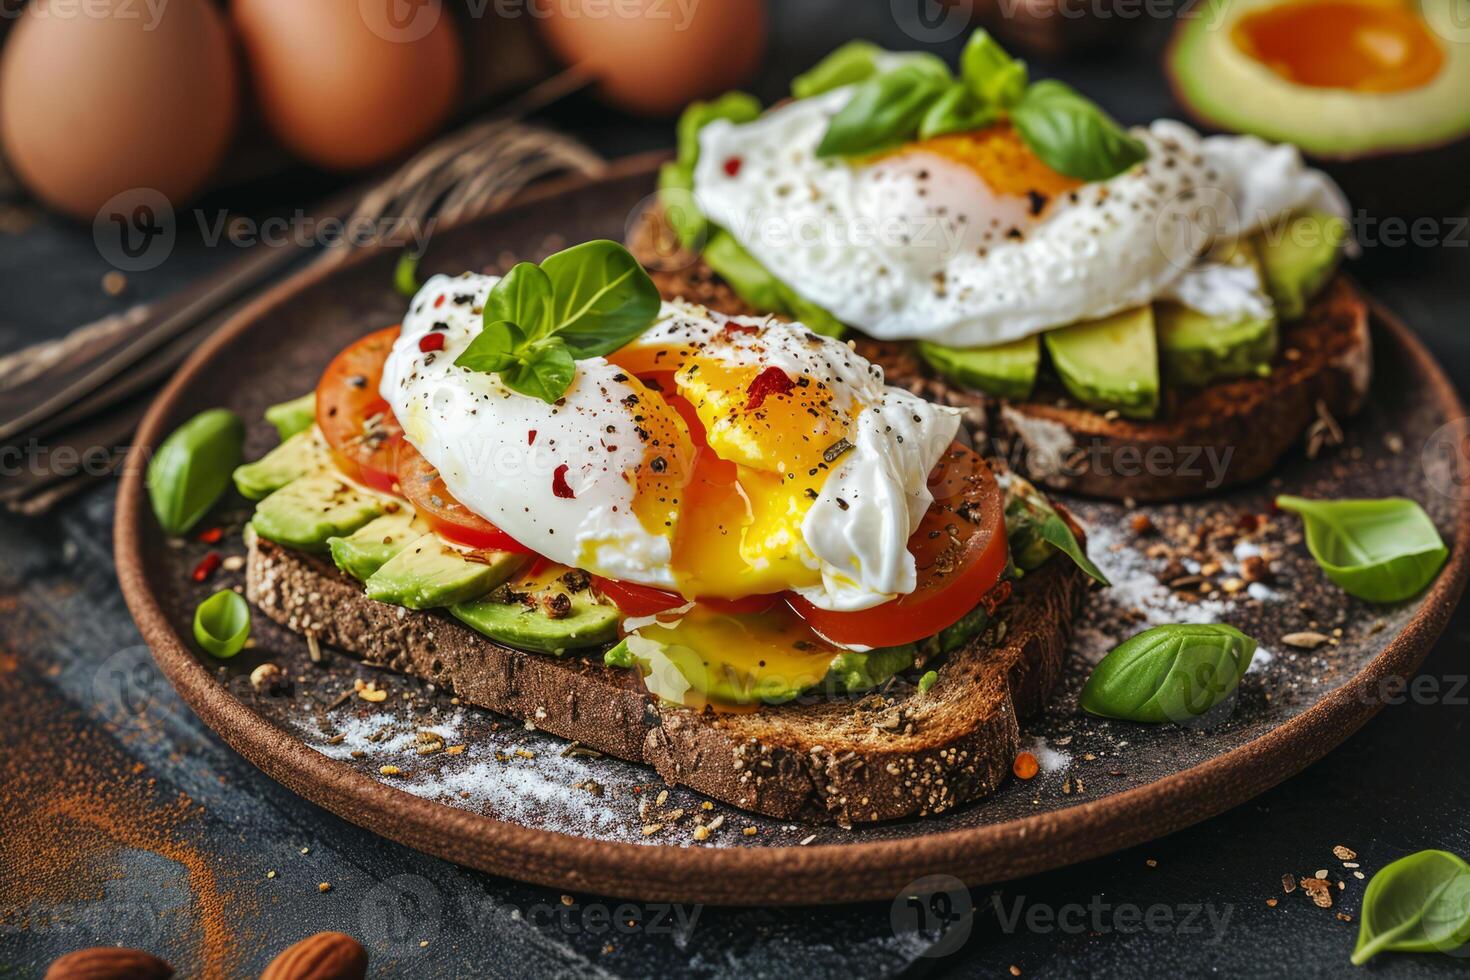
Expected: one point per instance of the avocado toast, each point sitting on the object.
(1138, 313)
(564, 554)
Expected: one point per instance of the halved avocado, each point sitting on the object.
(1371, 90)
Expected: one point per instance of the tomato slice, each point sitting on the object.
(960, 550)
(356, 421)
(422, 486)
(645, 600)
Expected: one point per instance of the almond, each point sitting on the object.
(325, 956)
(109, 963)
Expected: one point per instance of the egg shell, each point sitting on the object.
(655, 56)
(113, 95)
(347, 84)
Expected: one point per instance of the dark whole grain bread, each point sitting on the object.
(1207, 439)
(883, 756)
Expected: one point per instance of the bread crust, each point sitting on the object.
(1204, 440)
(884, 756)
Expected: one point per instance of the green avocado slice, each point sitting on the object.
(1197, 348)
(371, 546)
(428, 573)
(302, 453)
(1111, 363)
(1004, 370)
(525, 624)
(307, 512)
(1299, 259)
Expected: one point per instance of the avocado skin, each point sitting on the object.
(371, 546)
(1005, 370)
(301, 453)
(429, 574)
(516, 624)
(306, 513)
(1297, 261)
(1111, 363)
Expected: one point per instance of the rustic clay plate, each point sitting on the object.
(514, 801)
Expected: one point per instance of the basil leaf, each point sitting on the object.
(493, 349)
(883, 112)
(1378, 550)
(1169, 673)
(956, 111)
(192, 468)
(1072, 135)
(1034, 530)
(222, 623)
(601, 297)
(855, 61)
(994, 77)
(522, 296)
(405, 275)
(546, 372)
(1417, 904)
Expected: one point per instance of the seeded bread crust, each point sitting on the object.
(880, 757)
(1204, 440)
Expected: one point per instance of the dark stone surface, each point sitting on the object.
(1395, 787)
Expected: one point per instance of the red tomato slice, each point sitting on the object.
(422, 486)
(960, 549)
(355, 420)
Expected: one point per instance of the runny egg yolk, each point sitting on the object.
(756, 464)
(1001, 158)
(1358, 45)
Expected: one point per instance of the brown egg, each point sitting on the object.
(671, 52)
(112, 95)
(350, 83)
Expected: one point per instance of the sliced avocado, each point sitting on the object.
(427, 574)
(369, 548)
(1297, 260)
(1197, 348)
(296, 415)
(302, 453)
(1112, 363)
(521, 617)
(680, 674)
(1005, 370)
(307, 512)
(855, 671)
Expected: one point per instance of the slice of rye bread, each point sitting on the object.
(847, 760)
(1204, 439)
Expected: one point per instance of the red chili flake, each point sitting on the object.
(531, 438)
(732, 166)
(206, 567)
(998, 594)
(431, 342)
(732, 327)
(211, 535)
(559, 483)
(439, 302)
(1248, 522)
(771, 381)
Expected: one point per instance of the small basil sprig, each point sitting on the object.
(222, 623)
(1034, 530)
(1379, 550)
(582, 302)
(1068, 132)
(1417, 904)
(853, 62)
(1169, 673)
(192, 468)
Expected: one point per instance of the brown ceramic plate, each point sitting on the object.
(514, 802)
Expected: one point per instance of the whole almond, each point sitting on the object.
(325, 956)
(109, 963)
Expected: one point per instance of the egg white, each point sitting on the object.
(476, 432)
(917, 246)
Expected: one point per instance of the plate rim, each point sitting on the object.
(780, 874)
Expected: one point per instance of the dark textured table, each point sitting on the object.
(124, 820)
